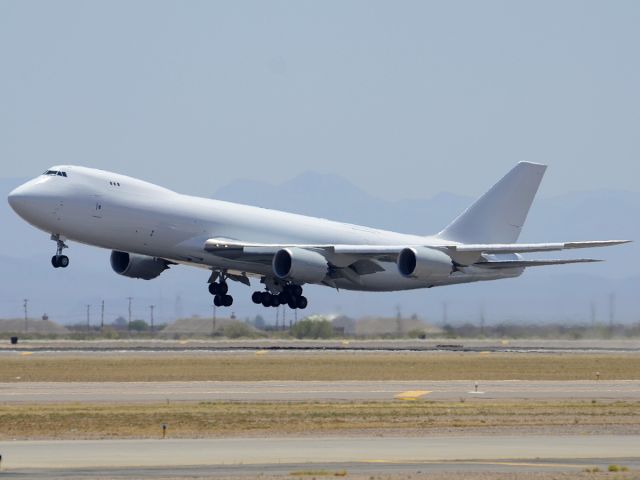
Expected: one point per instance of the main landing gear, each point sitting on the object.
(59, 260)
(219, 290)
(291, 295)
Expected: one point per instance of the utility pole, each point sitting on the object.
(612, 311)
(482, 319)
(593, 313)
(26, 316)
(151, 307)
(213, 320)
(102, 316)
(129, 324)
(88, 317)
(445, 313)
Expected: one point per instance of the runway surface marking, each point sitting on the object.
(101, 392)
(230, 451)
(412, 394)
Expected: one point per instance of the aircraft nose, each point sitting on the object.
(23, 199)
(18, 197)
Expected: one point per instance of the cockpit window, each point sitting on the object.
(55, 173)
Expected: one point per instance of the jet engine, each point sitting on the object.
(423, 263)
(299, 265)
(137, 266)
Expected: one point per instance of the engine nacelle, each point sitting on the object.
(137, 266)
(299, 265)
(423, 263)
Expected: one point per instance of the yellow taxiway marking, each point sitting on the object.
(345, 342)
(411, 394)
(261, 352)
(183, 342)
(26, 353)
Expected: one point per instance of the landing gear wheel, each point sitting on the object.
(296, 290)
(293, 304)
(217, 301)
(227, 300)
(55, 262)
(275, 301)
(302, 302)
(266, 299)
(218, 288)
(256, 297)
(63, 261)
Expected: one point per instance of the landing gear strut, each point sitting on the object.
(59, 260)
(219, 289)
(291, 295)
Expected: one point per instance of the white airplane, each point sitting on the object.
(148, 228)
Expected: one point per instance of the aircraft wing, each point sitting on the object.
(463, 254)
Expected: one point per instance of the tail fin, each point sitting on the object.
(498, 216)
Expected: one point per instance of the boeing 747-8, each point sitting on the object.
(148, 228)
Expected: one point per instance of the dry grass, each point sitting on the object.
(193, 420)
(324, 366)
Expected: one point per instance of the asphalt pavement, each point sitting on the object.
(148, 392)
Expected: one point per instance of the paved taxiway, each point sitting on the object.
(147, 392)
(114, 454)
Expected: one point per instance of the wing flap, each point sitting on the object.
(500, 264)
(532, 247)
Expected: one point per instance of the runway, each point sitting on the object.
(196, 391)
(291, 345)
(565, 452)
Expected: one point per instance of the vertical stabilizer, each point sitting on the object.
(498, 216)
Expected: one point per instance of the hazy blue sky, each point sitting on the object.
(405, 99)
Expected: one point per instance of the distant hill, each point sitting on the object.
(553, 293)
(40, 327)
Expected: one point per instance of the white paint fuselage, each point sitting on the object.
(121, 213)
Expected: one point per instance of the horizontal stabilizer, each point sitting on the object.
(531, 263)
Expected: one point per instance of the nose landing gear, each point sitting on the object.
(59, 260)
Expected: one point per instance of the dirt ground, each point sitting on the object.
(223, 419)
(265, 365)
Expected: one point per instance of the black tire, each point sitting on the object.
(54, 262)
(217, 301)
(266, 299)
(275, 301)
(227, 300)
(302, 302)
(296, 290)
(256, 297)
(223, 288)
(293, 304)
(63, 261)
(213, 288)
